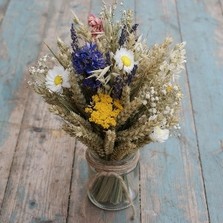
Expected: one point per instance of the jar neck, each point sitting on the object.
(121, 167)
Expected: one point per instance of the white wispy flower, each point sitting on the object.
(57, 79)
(144, 102)
(147, 96)
(176, 62)
(124, 59)
(159, 135)
(153, 117)
(167, 110)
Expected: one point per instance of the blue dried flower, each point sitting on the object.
(87, 59)
(91, 82)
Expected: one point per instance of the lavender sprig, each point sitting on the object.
(117, 87)
(134, 28)
(74, 38)
(107, 58)
(131, 75)
(124, 35)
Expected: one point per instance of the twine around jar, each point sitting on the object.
(113, 170)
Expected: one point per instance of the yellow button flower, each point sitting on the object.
(104, 110)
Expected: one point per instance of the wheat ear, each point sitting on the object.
(122, 150)
(78, 96)
(109, 141)
(125, 99)
(129, 110)
(87, 137)
(135, 133)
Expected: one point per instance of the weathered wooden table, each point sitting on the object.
(43, 171)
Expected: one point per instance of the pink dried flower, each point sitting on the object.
(96, 24)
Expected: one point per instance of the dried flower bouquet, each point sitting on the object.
(113, 92)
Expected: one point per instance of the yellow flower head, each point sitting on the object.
(104, 110)
(169, 88)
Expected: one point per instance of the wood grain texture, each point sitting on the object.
(203, 31)
(7, 147)
(221, 5)
(38, 186)
(3, 7)
(181, 180)
(171, 180)
(19, 28)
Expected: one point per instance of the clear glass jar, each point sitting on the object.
(106, 191)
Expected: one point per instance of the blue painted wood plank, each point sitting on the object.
(3, 4)
(171, 180)
(3, 7)
(42, 150)
(202, 25)
(20, 35)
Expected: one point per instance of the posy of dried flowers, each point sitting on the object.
(109, 80)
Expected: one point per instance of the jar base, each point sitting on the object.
(110, 206)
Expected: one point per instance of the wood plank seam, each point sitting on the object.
(34, 127)
(20, 125)
(23, 209)
(10, 170)
(221, 6)
(140, 200)
(71, 180)
(9, 161)
(193, 118)
(175, 188)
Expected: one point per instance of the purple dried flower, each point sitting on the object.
(134, 28)
(74, 38)
(108, 59)
(117, 87)
(124, 35)
(131, 75)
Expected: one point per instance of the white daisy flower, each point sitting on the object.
(159, 135)
(124, 59)
(57, 79)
